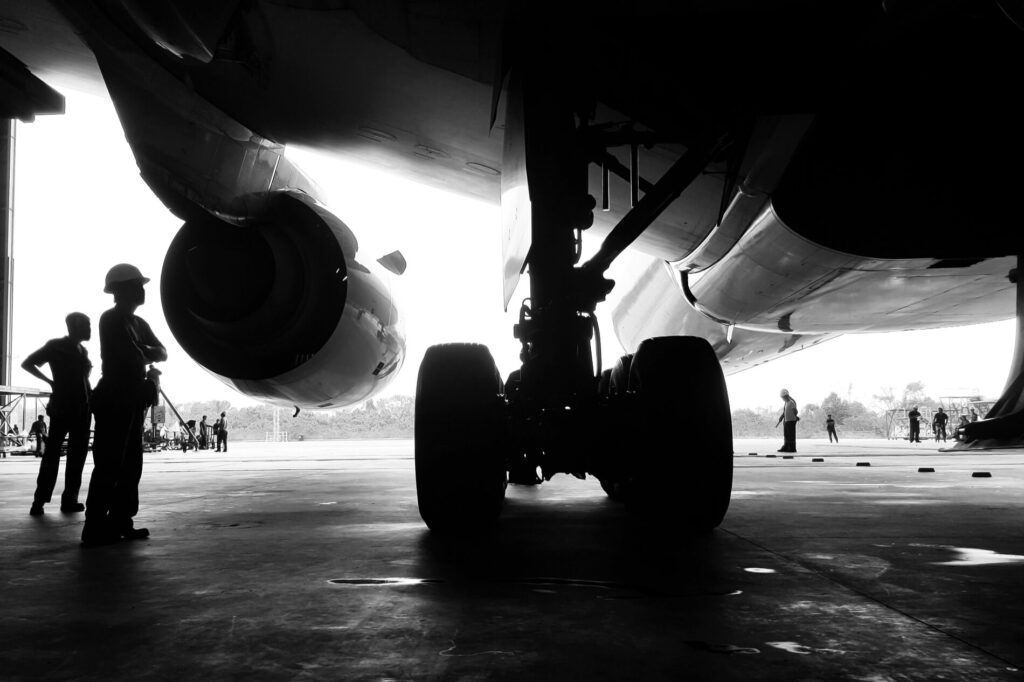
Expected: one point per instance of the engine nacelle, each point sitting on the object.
(276, 304)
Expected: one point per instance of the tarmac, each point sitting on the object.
(308, 561)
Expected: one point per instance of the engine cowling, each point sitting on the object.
(276, 304)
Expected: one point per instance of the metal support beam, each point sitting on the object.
(675, 180)
(7, 139)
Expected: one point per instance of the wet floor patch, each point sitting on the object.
(973, 556)
(726, 649)
(546, 585)
(802, 649)
(381, 582)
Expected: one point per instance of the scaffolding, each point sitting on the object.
(897, 424)
(14, 416)
(277, 435)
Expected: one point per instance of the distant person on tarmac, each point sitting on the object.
(939, 425)
(69, 412)
(788, 419)
(38, 429)
(190, 440)
(958, 432)
(974, 415)
(127, 345)
(915, 425)
(222, 432)
(204, 434)
(830, 426)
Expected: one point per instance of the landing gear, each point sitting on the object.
(460, 450)
(655, 430)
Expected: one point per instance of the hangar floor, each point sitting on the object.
(308, 561)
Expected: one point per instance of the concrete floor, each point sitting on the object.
(821, 571)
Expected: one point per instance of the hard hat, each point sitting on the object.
(122, 272)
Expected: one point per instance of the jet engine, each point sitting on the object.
(276, 304)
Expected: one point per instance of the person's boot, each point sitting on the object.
(72, 507)
(128, 531)
(95, 534)
(36, 510)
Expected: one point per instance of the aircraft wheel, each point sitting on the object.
(683, 468)
(460, 458)
(613, 489)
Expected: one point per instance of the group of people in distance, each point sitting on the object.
(118, 403)
(207, 435)
(789, 417)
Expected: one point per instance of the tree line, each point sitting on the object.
(390, 417)
(393, 417)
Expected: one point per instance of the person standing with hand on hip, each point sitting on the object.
(69, 412)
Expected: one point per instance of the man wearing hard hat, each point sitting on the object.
(127, 345)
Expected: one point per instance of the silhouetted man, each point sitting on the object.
(830, 426)
(69, 412)
(204, 434)
(788, 419)
(127, 345)
(222, 432)
(38, 429)
(915, 425)
(939, 424)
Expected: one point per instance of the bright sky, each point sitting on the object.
(80, 207)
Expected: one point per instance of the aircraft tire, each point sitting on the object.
(460, 460)
(682, 471)
(613, 489)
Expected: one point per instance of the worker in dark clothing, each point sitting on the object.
(788, 419)
(915, 425)
(830, 426)
(204, 434)
(69, 412)
(127, 345)
(939, 424)
(38, 429)
(222, 432)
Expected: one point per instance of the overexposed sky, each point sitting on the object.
(80, 207)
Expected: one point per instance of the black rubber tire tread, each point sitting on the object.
(613, 490)
(460, 457)
(619, 378)
(682, 473)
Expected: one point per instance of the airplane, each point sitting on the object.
(791, 171)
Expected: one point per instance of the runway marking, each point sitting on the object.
(759, 570)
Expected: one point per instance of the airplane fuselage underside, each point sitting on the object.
(905, 130)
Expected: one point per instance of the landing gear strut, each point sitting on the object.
(556, 414)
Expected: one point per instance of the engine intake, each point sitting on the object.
(275, 304)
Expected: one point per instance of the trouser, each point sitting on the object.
(915, 432)
(117, 457)
(831, 433)
(789, 436)
(940, 432)
(76, 429)
(39, 444)
(222, 440)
